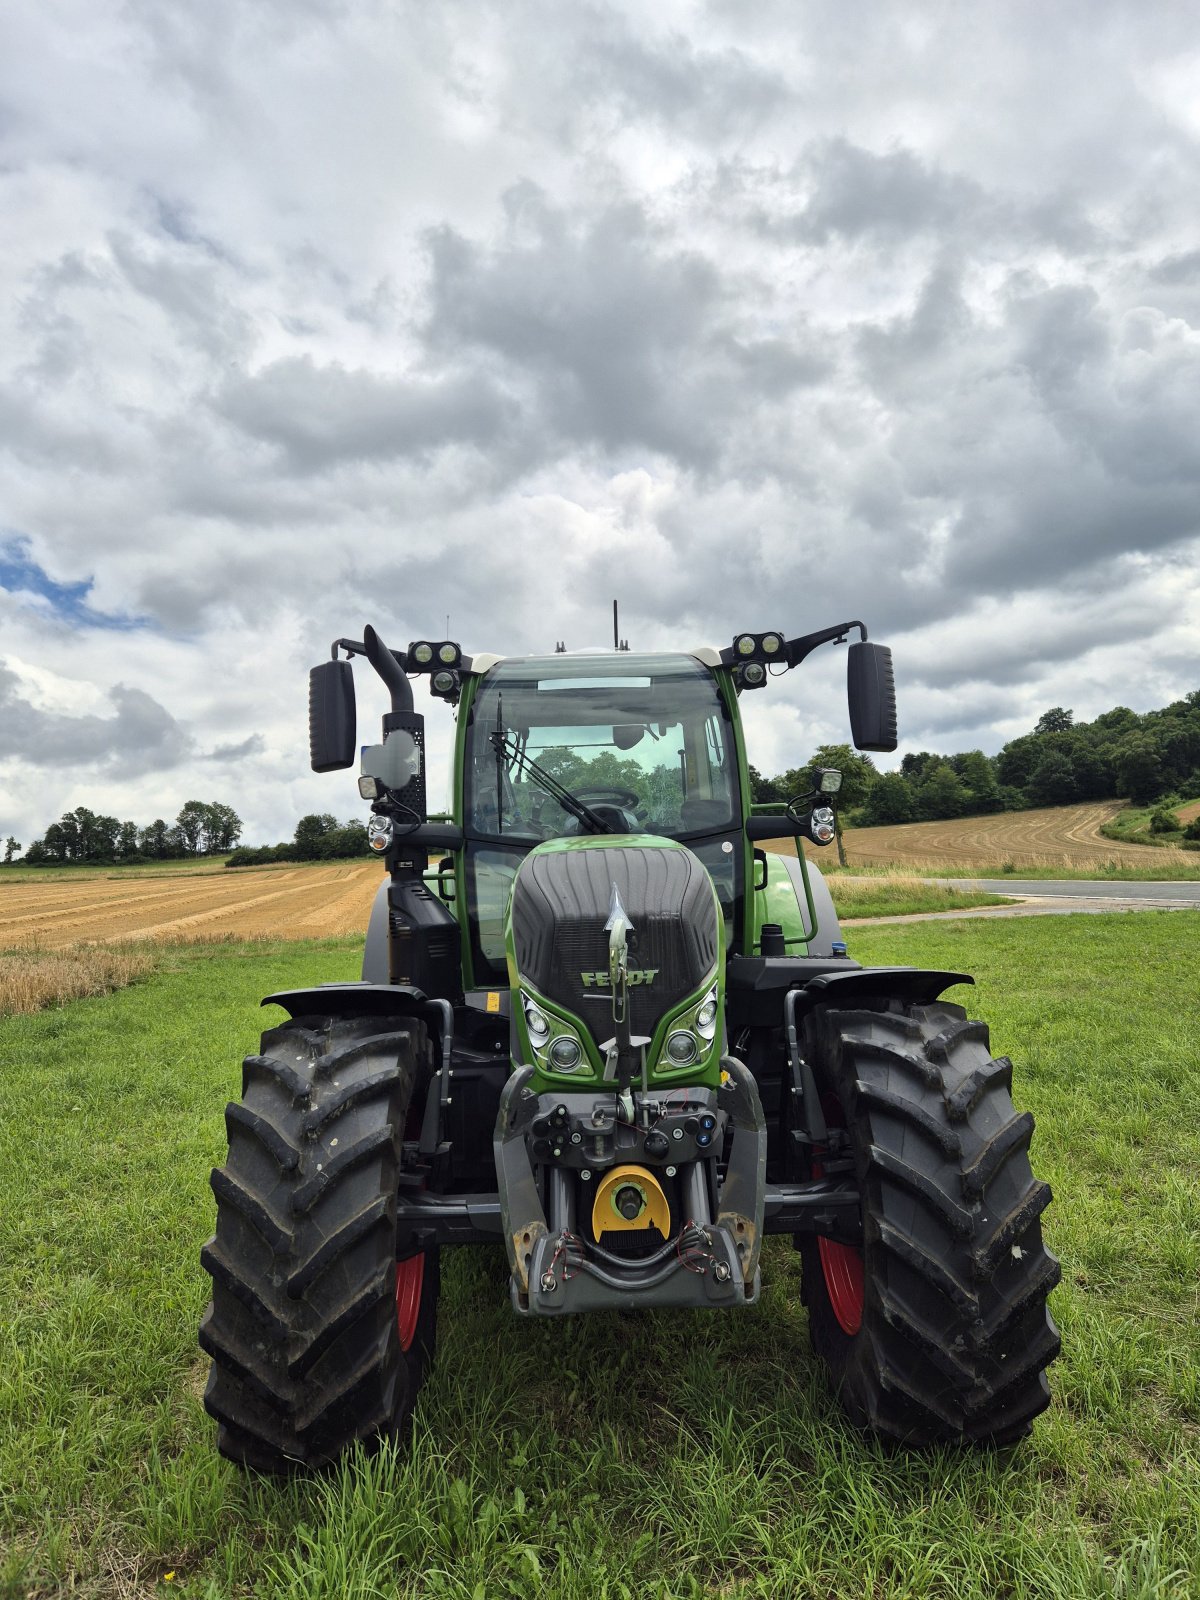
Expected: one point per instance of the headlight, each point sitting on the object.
(535, 1021)
(422, 654)
(379, 834)
(682, 1048)
(706, 1016)
(565, 1053)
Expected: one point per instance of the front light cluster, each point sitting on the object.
(693, 1033)
(555, 1043)
(821, 827)
(380, 834)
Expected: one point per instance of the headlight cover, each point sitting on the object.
(690, 1034)
(555, 1042)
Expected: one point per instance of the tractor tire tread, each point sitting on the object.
(955, 1333)
(302, 1328)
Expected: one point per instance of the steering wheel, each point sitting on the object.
(615, 797)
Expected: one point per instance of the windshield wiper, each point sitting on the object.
(506, 746)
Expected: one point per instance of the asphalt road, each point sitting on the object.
(1175, 895)
(1061, 897)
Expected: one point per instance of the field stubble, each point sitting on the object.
(302, 902)
(1055, 836)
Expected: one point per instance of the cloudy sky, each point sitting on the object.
(767, 315)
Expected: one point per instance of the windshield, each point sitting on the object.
(642, 741)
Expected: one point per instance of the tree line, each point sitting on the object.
(318, 837)
(85, 837)
(1148, 759)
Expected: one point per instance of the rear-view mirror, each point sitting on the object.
(871, 691)
(331, 716)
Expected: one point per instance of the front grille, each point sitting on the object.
(560, 905)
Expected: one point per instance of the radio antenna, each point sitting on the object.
(616, 635)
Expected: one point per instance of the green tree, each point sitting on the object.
(155, 841)
(1139, 769)
(941, 794)
(1056, 720)
(222, 827)
(11, 847)
(914, 764)
(890, 799)
(106, 834)
(127, 840)
(1052, 781)
(59, 839)
(1163, 820)
(311, 833)
(190, 823)
(978, 773)
(1017, 760)
(763, 789)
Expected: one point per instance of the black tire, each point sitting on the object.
(954, 1332)
(303, 1327)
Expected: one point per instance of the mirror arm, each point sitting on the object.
(797, 649)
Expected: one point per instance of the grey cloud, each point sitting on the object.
(252, 746)
(142, 737)
(627, 338)
(706, 93)
(839, 192)
(1177, 269)
(855, 193)
(319, 415)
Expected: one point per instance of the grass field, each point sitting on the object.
(664, 1455)
(900, 894)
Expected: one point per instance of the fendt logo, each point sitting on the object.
(599, 980)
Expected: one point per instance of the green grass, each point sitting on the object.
(662, 1455)
(1132, 826)
(902, 894)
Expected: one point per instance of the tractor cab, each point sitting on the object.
(568, 746)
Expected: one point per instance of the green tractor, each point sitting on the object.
(608, 1033)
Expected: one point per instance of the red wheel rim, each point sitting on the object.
(410, 1278)
(841, 1264)
(843, 1269)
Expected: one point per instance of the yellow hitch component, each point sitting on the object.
(629, 1198)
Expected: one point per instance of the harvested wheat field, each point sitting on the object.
(1057, 835)
(300, 902)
